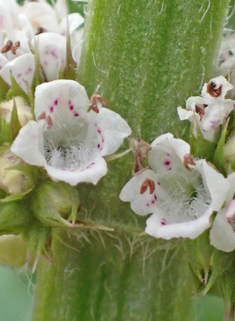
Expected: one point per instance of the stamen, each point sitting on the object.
(212, 90)
(95, 100)
(199, 110)
(188, 160)
(47, 118)
(14, 47)
(40, 30)
(147, 183)
(140, 149)
(7, 46)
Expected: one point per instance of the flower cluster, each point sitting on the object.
(210, 110)
(180, 191)
(36, 28)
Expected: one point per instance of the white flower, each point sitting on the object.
(67, 140)
(215, 88)
(222, 234)
(181, 194)
(208, 112)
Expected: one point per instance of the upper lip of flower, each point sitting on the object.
(68, 140)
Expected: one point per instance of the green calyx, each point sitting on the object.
(55, 204)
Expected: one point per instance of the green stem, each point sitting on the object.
(107, 276)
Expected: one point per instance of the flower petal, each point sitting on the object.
(216, 113)
(222, 234)
(112, 128)
(66, 97)
(92, 173)
(28, 145)
(157, 226)
(52, 51)
(22, 69)
(215, 184)
(145, 203)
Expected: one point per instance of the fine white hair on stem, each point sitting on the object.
(204, 14)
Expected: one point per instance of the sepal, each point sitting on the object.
(206, 263)
(55, 204)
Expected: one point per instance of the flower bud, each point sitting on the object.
(13, 250)
(14, 217)
(14, 114)
(23, 110)
(229, 151)
(13, 180)
(54, 204)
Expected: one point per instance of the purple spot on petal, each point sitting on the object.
(102, 140)
(51, 109)
(99, 131)
(98, 145)
(28, 71)
(153, 202)
(147, 204)
(19, 75)
(76, 114)
(167, 163)
(155, 197)
(56, 102)
(54, 54)
(158, 183)
(163, 221)
(169, 169)
(71, 107)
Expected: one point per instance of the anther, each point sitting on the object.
(147, 183)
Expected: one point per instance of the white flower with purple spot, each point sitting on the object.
(208, 112)
(181, 194)
(67, 139)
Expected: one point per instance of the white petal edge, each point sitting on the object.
(91, 174)
(114, 128)
(222, 235)
(191, 229)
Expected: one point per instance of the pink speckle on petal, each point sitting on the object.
(54, 54)
(167, 163)
(19, 75)
(147, 204)
(56, 102)
(158, 183)
(51, 109)
(71, 107)
(163, 221)
(28, 71)
(76, 114)
(98, 145)
(98, 131)
(155, 197)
